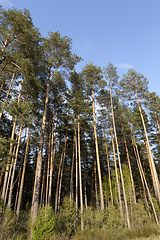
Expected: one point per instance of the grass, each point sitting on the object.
(147, 232)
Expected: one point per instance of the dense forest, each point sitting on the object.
(79, 151)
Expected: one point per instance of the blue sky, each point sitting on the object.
(123, 32)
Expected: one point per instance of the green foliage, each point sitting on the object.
(146, 230)
(114, 218)
(49, 226)
(139, 215)
(66, 220)
(4, 150)
(93, 219)
(43, 228)
(8, 222)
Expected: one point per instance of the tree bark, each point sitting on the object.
(144, 178)
(61, 177)
(109, 175)
(23, 174)
(72, 168)
(11, 145)
(53, 149)
(19, 174)
(115, 164)
(14, 167)
(129, 163)
(97, 153)
(43, 188)
(151, 161)
(76, 149)
(96, 190)
(119, 161)
(48, 168)
(80, 175)
(37, 181)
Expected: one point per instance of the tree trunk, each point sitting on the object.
(75, 134)
(96, 190)
(142, 173)
(143, 185)
(80, 175)
(61, 177)
(58, 178)
(11, 146)
(19, 174)
(10, 170)
(72, 168)
(37, 181)
(43, 188)
(23, 174)
(151, 161)
(14, 167)
(119, 161)
(109, 175)
(97, 153)
(85, 185)
(53, 149)
(129, 163)
(48, 167)
(115, 164)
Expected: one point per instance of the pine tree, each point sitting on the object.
(93, 79)
(135, 86)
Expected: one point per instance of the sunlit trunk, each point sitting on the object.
(119, 161)
(14, 167)
(11, 146)
(37, 181)
(23, 174)
(97, 153)
(129, 163)
(109, 174)
(80, 175)
(116, 171)
(151, 161)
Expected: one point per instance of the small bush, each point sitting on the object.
(139, 215)
(93, 219)
(43, 228)
(66, 219)
(8, 222)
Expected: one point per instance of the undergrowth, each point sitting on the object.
(98, 225)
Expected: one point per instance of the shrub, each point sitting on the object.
(66, 220)
(43, 228)
(8, 222)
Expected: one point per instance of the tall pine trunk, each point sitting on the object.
(129, 163)
(72, 168)
(11, 146)
(109, 174)
(23, 174)
(61, 176)
(119, 161)
(144, 178)
(53, 149)
(14, 167)
(37, 181)
(116, 171)
(97, 153)
(80, 175)
(151, 161)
